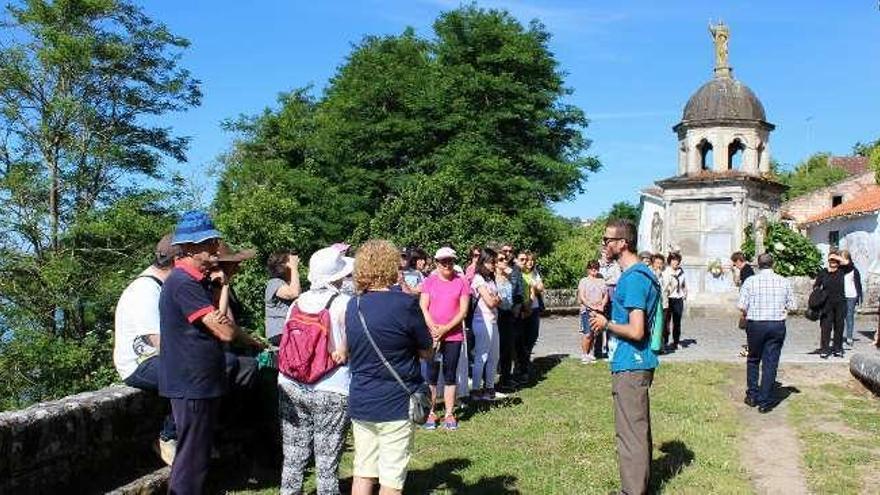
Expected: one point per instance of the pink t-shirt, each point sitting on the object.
(444, 297)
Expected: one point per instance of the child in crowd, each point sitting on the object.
(592, 296)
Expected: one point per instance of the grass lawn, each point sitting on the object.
(558, 437)
(838, 425)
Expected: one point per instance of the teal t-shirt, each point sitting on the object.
(637, 289)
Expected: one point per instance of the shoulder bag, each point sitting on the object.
(419, 400)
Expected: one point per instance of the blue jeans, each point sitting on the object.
(146, 377)
(850, 316)
(765, 340)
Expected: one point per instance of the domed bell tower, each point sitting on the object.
(723, 182)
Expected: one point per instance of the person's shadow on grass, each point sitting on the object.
(444, 476)
(676, 456)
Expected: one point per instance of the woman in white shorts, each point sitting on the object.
(378, 404)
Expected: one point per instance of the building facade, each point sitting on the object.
(723, 183)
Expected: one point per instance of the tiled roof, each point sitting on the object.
(653, 191)
(853, 165)
(867, 201)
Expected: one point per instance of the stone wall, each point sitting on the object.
(80, 442)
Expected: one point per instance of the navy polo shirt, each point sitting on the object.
(191, 359)
(398, 326)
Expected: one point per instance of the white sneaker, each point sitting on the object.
(588, 359)
(167, 450)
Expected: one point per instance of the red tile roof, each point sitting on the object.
(853, 165)
(867, 201)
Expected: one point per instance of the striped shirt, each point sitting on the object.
(766, 296)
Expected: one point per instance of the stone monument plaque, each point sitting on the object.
(686, 216)
(719, 216)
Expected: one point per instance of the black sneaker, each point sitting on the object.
(750, 401)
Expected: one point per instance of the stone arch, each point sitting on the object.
(706, 154)
(736, 154)
(759, 155)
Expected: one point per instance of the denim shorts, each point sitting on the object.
(585, 323)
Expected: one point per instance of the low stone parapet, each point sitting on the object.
(80, 441)
(865, 366)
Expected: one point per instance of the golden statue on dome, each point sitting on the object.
(720, 35)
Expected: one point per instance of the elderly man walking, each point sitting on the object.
(764, 299)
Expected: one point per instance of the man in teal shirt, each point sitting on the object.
(632, 361)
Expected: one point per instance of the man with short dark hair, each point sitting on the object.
(745, 269)
(632, 361)
(136, 334)
(764, 300)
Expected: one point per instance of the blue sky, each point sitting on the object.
(632, 65)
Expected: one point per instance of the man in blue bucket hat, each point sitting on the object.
(193, 332)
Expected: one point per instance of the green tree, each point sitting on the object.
(811, 174)
(625, 211)
(456, 139)
(82, 86)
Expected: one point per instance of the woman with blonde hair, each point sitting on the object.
(385, 331)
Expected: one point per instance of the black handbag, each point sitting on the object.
(419, 399)
(817, 299)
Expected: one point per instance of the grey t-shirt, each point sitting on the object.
(276, 308)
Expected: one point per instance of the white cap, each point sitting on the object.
(328, 265)
(445, 253)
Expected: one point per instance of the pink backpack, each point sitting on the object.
(304, 353)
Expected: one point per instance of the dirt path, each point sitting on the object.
(771, 452)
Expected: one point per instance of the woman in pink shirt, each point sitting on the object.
(444, 300)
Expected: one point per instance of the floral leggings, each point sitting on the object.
(311, 418)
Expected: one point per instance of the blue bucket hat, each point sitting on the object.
(194, 227)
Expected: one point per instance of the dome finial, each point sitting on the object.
(720, 35)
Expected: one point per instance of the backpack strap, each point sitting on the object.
(330, 301)
(155, 279)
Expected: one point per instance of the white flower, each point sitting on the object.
(779, 246)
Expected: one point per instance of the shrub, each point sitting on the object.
(793, 253)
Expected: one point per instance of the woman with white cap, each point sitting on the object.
(314, 414)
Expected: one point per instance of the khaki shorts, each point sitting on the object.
(382, 450)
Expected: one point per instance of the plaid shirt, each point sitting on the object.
(766, 296)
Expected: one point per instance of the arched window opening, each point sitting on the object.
(706, 158)
(760, 155)
(735, 155)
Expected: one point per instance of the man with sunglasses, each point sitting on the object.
(632, 360)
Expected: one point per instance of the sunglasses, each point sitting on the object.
(606, 240)
(446, 262)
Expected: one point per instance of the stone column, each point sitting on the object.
(750, 160)
(719, 153)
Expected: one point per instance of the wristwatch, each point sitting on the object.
(608, 324)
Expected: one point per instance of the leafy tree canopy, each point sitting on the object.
(459, 138)
(809, 175)
(83, 84)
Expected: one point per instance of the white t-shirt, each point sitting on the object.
(137, 315)
(313, 301)
(849, 285)
(488, 314)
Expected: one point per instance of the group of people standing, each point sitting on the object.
(596, 290)
(397, 320)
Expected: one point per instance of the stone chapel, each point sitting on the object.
(723, 183)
